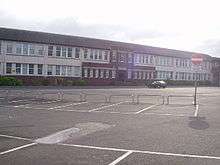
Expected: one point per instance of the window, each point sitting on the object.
(49, 69)
(113, 56)
(146, 59)
(85, 53)
(40, 50)
(129, 74)
(24, 68)
(96, 54)
(8, 68)
(101, 73)
(50, 50)
(91, 54)
(121, 57)
(91, 73)
(18, 68)
(18, 48)
(96, 73)
(69, 54)
(139, 75)
(77, 53)
(77, 71)
(63, 52)
(57, 69)
(31, 68)
(40, 69)
(31, 49)
(85, 72)
(9, 48)
(135, 75)
(106, 55)
(63, 71)
(107, 74)
(58, 51)
(151, 59)
(130, 58)
(25, 49)
(113, 73)
(177, 62)
(69, 70)
(100, 54)
(144, 75)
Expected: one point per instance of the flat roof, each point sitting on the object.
(68, 40)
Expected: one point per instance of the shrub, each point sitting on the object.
(79, 82)
(10, 81)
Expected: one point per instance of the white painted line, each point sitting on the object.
(196, 111)
(63, 106)
(146, 109)
(15, 101)
(143, 152)
(107, 106)
(14, 137)
(17, 148)
(120, 158)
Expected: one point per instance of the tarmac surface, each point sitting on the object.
(109, 126)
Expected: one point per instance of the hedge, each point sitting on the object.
(10, 81)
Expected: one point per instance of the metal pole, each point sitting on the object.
(195, 95)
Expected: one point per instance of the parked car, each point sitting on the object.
(158, 84)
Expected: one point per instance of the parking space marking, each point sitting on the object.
(15, 137)
(120, 158)
(63, 106)
(196, 111)
(107, 106)
(17, 148)
(142, 151)
(146, 108)
(16, 101)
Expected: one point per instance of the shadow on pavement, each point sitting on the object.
(198, 123)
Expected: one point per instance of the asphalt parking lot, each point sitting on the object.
(109, 126)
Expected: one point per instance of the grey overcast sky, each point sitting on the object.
(191, 25)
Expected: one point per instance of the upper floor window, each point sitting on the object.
(18, 48)
(85, 53)
(77, 52)
(100, 54)
(63, 51)
(31, 49)
(9, 48)
(50, 50)
(58, 51)
(130, 58)
(96, 54)
(25, 49)
(40, 50)
(91, 54)
(69, 53)
(121, 57)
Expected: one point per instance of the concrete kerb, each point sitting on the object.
(181, 96)
(146, 95)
